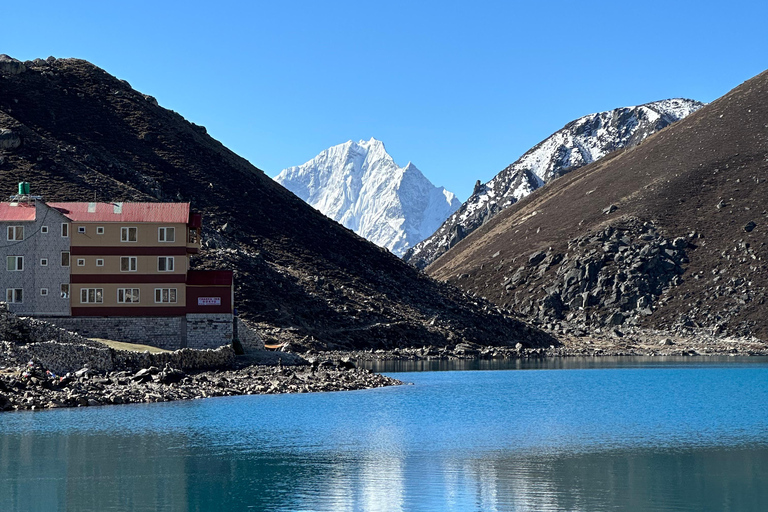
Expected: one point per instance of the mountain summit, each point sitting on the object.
(359, 185)
(578, 143)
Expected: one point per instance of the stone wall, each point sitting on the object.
(69, 357)
(161, 332)
(208, 330)
(200, 330)
(249, 338)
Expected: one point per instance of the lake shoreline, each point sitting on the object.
(32, 387)
(600, 343)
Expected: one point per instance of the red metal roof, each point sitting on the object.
(172, 213)
(21, 212)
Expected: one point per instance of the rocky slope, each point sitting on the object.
(578, 143)
(668, 234)
(77, 133)
(360, 186)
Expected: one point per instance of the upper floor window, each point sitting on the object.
(44, 229)
(166, 234)
(99, 230)
(165, 264)
(64, 229)
(129, 234)
(65, 291)
(15, 232)
(128, 263)
(81, 229)
(15, 262)
(64, 258)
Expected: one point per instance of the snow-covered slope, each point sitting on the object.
(579, 143)
(360, 186)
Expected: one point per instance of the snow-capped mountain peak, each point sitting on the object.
(578, 143)
(359, 185)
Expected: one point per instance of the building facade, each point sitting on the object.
(114, 270)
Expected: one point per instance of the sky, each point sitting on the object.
(461, 89)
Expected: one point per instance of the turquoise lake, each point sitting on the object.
(563, 435)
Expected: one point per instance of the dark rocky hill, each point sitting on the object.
(77, 133)
(671, 233)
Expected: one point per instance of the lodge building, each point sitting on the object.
(113, 270)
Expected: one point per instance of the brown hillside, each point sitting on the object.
(684, 244)
(77, 133)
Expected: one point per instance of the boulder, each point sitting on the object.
(9, 139)
(11, 66)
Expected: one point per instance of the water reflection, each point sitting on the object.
(625, 438)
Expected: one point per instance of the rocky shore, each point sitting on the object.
(597, 343)
(33, 387)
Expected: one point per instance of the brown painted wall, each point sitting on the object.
(146, 296)
(147, 234)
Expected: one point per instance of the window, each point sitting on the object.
(129, 234)
(128, 263)
(167, 295)
(65, 291)
(43, 262)
(65, 258)
(100, 230)
(127, 295)
(80, 262)
(15, 263)
(99, 262)
(13, 295)
(64, 229)
(165, 264)
(91, 295)
(44, 292)
(44, 229)
(15, 232)
(166, 234)
(81, 229)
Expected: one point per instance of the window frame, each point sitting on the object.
(11, 294)
(64, 293)
(134, 292)
(44, 230)
(99, 230)
(65, 230)
(12, 233)
(166, 259)
(43, 292)
(80, 262)
(131, 259)
(162, 234)
(69, 259)
(159, 293)
(99, 262)
(125, 234)
(43, 262)
(16, 260)
(98, 295)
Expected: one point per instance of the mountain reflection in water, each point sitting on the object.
(666, 437)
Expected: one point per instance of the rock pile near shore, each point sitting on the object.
(33, 387)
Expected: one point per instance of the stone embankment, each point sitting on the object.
(32, 387)
(43, 366)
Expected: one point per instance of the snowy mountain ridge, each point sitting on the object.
(359, 185)
(578, 143)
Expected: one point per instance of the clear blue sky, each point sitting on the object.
(461, 89)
